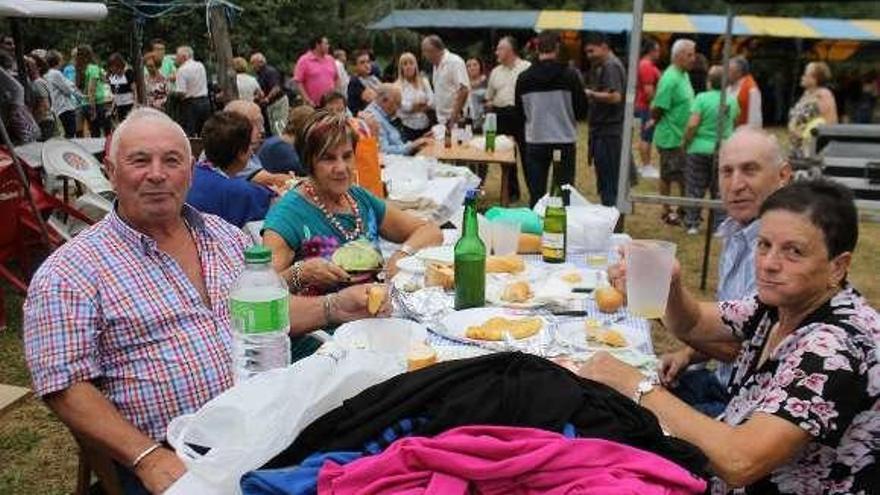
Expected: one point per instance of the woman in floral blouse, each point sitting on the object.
(805, 415)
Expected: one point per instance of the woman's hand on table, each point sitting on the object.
(605, 368)
(322, 274)
(672, 364)
(351, 304)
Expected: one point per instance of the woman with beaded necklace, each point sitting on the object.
(326, 211)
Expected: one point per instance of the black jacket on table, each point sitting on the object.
(550, 99)
(505, 389)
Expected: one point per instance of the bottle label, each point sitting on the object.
(553, 245)
(260, 316)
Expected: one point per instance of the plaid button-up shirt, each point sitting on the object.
(109, 307)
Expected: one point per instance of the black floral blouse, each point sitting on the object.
(824, 378)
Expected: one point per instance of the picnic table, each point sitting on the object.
(465, 154)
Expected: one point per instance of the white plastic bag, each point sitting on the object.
(250, 423)
(589, 227)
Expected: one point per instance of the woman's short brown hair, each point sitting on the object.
(240, 65)
(322, 131)
(820, 72)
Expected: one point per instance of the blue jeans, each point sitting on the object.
(537, 164)
(702, 390)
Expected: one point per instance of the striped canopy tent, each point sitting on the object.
(613, 22)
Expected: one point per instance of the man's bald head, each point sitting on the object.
(758, 143)
(751, 166)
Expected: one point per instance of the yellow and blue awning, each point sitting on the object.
(612, 22)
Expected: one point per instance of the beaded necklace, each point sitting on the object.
(309, 188)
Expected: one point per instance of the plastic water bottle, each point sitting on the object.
(490, 128)
(258, 307)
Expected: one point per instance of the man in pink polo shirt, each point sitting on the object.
(315, 71)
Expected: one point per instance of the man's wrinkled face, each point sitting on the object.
(151, 172)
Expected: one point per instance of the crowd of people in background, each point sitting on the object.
(537, 99)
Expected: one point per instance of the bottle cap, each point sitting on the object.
(257, 254)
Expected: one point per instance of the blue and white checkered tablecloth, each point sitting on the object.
(639, 326)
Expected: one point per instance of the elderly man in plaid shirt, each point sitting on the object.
(127, 325)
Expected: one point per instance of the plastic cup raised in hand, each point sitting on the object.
(648, 275)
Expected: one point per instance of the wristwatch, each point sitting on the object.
(646, 386)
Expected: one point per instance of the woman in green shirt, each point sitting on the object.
(91, 81)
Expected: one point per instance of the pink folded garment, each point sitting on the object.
(505, 460)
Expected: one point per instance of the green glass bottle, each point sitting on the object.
(470, 259)
(554, 240)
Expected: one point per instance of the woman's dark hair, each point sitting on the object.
(115, 58)
(322, 131)
(225, 135)
(829, 206)
(479, 62)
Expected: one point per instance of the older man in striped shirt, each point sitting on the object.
(127, 326)
(751, 166)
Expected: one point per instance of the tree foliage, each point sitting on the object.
(283, 28)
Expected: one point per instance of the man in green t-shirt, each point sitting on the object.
(670, 110)
(700, 139)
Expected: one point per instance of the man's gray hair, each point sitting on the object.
(741, 64)
(435, 41)
(258, 57)
(682, 44)
(386, 90)
(187, 51)
(143, 114)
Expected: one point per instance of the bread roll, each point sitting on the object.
(439, 275)
(529, 244)
(420, 356)
(510, 263)
(517, 292)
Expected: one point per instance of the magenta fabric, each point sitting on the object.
(505, 460)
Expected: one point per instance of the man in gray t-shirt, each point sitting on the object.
(606, 87)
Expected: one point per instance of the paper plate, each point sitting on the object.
(439, 254)
(354, 335)
(574, 334)
(454, 325)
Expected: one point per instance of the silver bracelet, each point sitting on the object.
(328, 303)
(149, 450)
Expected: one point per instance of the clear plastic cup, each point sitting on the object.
(505, 236)
(648, 275)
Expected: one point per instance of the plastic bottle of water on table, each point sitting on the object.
(258, 307)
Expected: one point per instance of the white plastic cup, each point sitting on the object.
(505, 236)
(648, 275)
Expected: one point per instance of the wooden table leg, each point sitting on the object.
(506, 170)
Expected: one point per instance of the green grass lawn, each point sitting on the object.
(38, 456)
